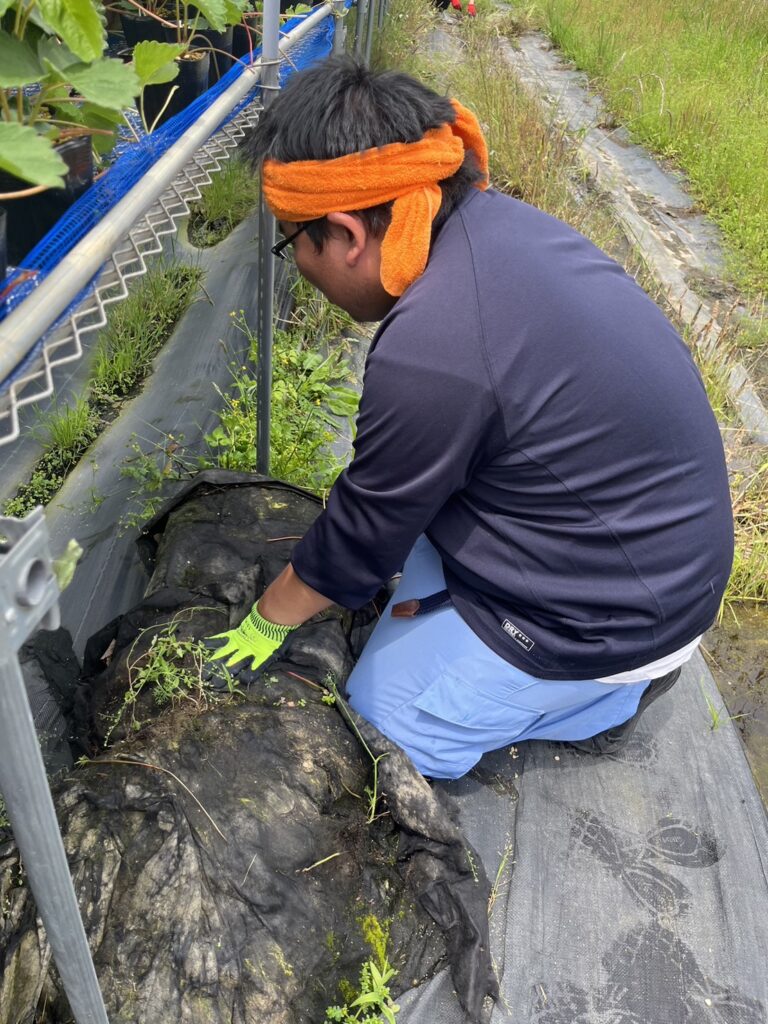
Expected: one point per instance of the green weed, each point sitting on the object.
(309, 399)
(372, 791)
(228, 200)
(717, 715)
(171, 667)
(164, 460)
(371, 1001)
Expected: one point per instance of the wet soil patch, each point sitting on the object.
(737, 653)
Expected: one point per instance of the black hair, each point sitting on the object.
(340, 107)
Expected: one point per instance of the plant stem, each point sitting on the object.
(7, 112)
(166, 771)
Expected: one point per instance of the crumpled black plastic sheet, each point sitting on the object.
(439, 863)
(222, 858)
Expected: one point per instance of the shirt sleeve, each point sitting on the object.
(421, 427)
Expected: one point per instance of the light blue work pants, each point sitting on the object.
(431, 685)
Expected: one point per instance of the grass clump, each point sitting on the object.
(136, 330)
(689, 80)
(228, 200)
(66, 434)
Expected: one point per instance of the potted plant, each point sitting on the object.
(59, 98)
(141, 21)
(185, 26)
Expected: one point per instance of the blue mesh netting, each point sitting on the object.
(132, 162)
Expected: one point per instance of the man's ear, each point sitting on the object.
(354, 230)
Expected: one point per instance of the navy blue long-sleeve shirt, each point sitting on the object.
(529, 408)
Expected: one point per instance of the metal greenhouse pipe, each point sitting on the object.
(372, 16)
(22, 328)
(270, 77)
(362, 8)
(29, 598)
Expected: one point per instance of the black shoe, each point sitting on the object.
(612, 740)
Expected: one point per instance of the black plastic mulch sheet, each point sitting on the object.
(221, 852)
(629, 889)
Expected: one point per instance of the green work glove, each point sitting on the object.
(246, 648)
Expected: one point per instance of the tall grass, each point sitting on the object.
(531, 157)
(689, 78)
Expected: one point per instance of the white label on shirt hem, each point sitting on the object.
(517, 635)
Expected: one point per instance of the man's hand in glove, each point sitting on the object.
(245, 649)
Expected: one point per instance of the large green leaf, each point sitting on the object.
(55, 55)
(214, 12)
(233, 11)
(29, 156)
(155, 63)
(90, 115)
(5, 5)
(79, 25)
(18, 63)
(106, 82)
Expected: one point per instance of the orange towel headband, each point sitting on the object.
(407, 172)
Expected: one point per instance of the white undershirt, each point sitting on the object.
(655, 669)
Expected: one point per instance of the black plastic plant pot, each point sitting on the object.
(3, 247)
(243, 39)
(220, 44)
(192, 81)
(31, 217)
(136, 29)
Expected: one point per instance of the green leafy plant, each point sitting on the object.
(374, 1003)
(309, 403)
(152, 466)
(371, 1001)
(157, 63)
(56, 48)
(171, 667)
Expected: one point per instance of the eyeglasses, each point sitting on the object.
(278, 249)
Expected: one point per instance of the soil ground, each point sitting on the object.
(737, 653)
